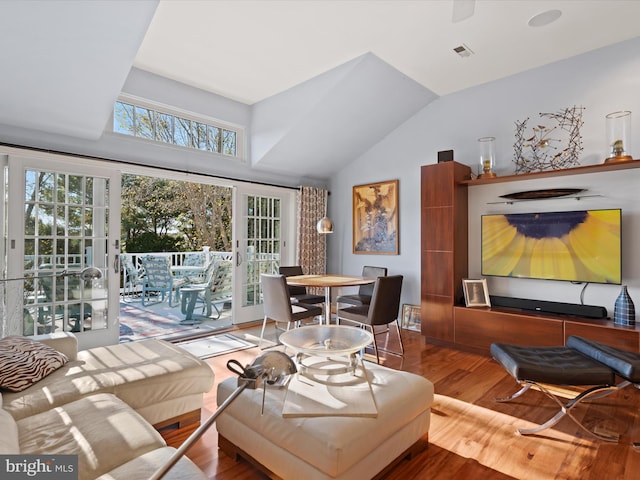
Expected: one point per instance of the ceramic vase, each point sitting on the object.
(624, 311)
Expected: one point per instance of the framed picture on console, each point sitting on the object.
(411, 317)
(476, 293)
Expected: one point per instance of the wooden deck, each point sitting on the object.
(160, 320)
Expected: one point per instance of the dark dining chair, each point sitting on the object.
(299, 294)
(363, 297)
(383, 310)
(278, 307)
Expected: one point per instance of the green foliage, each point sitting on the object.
(152, 242)
(167, 215)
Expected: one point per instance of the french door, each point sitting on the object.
(63, 233)
(264, 238)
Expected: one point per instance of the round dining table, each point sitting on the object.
(328, 281)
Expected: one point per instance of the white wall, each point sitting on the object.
(602, 81)
(155, 154)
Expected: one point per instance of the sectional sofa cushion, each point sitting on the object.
(144, 374)
(101, 429)
(9, 444)
(24, 362)
(145, 466)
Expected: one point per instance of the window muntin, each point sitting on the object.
(229, 142)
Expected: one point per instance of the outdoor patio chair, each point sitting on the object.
(192, 292)
(133, 277)
(65, 302)
(198, 259)
(221, 285)
(215, 289)
(158, 279)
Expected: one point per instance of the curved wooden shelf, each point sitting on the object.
(603, 167)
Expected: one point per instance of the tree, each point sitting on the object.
(168, 215)
(207, 216)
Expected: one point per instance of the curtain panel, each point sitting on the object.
(312, 246)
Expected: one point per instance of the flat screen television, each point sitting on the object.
(577, 246)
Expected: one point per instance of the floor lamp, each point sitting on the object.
(88, 273)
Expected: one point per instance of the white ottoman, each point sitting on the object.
(328, 447)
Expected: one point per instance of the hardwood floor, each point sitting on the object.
(471, 436)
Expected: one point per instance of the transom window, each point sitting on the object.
(149, 123)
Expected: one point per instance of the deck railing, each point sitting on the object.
(176, 258)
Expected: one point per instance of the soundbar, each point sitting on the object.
(542, 306)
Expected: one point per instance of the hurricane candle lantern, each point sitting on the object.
(487, 157)
(618, 131)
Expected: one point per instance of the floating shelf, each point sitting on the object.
(603, 167)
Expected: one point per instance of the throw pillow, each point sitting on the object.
(23, 362)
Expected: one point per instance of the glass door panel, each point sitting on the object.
(60, 235)
(263, 220)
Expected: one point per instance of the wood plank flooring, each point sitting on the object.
(471, 436)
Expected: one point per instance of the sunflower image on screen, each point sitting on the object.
(579, 246)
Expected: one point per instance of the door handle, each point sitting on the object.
(116, 264)
(238, 259)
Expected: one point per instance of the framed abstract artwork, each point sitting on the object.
(375, 218)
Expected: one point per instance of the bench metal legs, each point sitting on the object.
(565, 408)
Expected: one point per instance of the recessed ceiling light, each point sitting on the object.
(544, 18)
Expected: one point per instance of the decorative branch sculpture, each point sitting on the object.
(545, 150)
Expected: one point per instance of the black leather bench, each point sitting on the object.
(581, 362)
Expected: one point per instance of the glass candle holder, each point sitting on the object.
(618, 132)
(487, 157)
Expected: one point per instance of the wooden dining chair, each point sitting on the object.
(383, 310)
(278, 307)
(363, 297)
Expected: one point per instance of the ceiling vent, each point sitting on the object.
(463, 51)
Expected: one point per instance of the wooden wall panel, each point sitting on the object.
(437, 228)
(619, 337)
(437, 185)
(437, 274)
(435, 318)
(479, 328)
(444, 257)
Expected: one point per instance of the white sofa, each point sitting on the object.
(157, 379)
(102, 405)
(111, 440)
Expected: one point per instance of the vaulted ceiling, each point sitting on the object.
(312, 70)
